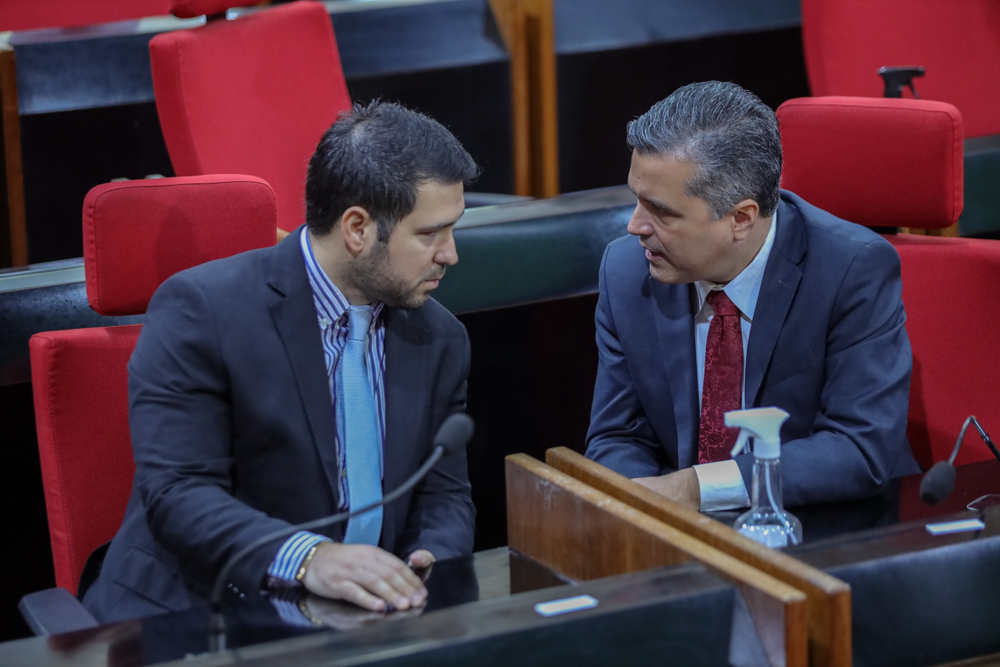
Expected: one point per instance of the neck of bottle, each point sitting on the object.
(766, 494)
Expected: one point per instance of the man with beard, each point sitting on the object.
(289, 383)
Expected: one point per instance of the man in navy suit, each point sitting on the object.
(730, 293)
(240, 402)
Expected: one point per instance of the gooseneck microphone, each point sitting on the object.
(939, 480)
(454, 433)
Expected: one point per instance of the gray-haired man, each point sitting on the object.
(730, 293)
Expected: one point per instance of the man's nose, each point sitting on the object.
(448, 254)
(638, 224)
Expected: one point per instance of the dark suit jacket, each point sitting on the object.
(827, 344)
(233, 432)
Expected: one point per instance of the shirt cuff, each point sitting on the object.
(722, 486)
(289, 558)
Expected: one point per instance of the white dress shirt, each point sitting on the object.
(721, 483)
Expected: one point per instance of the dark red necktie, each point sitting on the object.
(722, 388)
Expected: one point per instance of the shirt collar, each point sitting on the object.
(741, 289)
(331, 304)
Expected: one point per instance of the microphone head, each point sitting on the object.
(937, 483)
(455, 432)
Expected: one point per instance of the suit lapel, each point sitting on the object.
(407, 399)
(780, 282)
(675, 333)
(294, 315)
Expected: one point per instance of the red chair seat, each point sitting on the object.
(136, 235)
(85, 450)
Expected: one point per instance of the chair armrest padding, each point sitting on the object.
(54, 611)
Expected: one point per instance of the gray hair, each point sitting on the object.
(728, 135)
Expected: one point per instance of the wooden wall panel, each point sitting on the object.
(13, 230)
(528, 32)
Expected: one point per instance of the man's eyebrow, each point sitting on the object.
(660, 206)
(435, 228)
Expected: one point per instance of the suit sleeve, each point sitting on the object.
(179, 416)
(620, 436)
(441, 516)
(858, 441)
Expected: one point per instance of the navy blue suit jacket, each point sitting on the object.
(233, 432)
(828, 345)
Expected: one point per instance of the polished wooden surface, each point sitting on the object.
(829, 606)
(553, 519)
(528, 32)
(14, 241)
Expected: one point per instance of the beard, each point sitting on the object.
(376, 278)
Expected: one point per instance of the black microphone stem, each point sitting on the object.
(217, 622)
(971, 419)
(986, 438)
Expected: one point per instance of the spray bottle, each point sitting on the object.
(767, 521)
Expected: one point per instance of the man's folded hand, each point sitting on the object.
(365, 575)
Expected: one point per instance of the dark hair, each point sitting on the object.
(727, 133)
(376, 156)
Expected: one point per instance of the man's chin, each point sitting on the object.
(412, 301)
(668, 276)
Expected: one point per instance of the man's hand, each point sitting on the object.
(365, 575)
(421, 561)
(681, 487)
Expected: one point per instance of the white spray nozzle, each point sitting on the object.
(763, 425)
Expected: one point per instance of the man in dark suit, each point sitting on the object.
(285, 384)
(729, 294)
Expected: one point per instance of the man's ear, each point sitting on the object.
(745, 216)
(358, 229)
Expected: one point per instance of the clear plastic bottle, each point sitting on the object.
(767, 521)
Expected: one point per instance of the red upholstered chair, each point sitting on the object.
(34, 14)
(958, 44)
(898, 162)
(252, 95)
(136, 235)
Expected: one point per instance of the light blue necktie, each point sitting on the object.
(360, 432)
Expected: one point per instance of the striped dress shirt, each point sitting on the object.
(331, 311)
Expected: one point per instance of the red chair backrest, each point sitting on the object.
(898, 162)
(252, 95)
(137, 234)
(957, 42)
(35, 14)
(80, 385)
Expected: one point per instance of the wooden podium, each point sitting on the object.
(586, 522)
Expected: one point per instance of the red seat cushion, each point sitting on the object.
(251, 96)
(847, 41)
(80, 386)
(952, 310)
(874, 161)
(136, 234)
